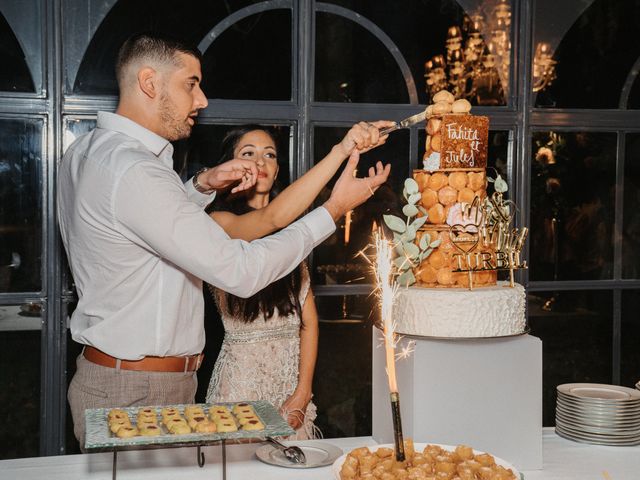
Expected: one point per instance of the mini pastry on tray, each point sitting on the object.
(146, 421)
(253, 424)
(226, 425)
(147, 411)
(127, 432)
(179, 428)
(116, 411)
(193, 421)
(169, 411)
(206, 427)
(218, 410)
(242, 408)
(149, 430)
(190, 410)
(170, 416)
(116, 425)
(247, 419)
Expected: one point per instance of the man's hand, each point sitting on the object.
(349, 192)
(363, 137)
(229, 173)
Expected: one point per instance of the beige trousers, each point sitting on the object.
(95, 386)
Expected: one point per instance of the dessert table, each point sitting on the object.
(563, 460)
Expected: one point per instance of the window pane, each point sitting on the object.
(572, 210)
(595, 46)
(476, 61)
(336, 260)
(20, 380)
(353, 66)
(342, 383)
(20, 205)
(95, 73)
(631, 221)
(15, 75)
(251, 59)
(630, 354)
(576, 333)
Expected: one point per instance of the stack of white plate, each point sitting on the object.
(598, 414)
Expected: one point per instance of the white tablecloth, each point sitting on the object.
(563, 460)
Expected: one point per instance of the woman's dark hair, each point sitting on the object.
(282, 294)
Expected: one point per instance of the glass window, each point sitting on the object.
(342, 383)
(595, 46)
(631, 221)
(336, 260)
(15, 75)
(463, 46)
(108, 28)
(251, 59)
(20, 205)
(352, 65)
(572, 210)
(576, 333)
(20, 327)
(630, 354)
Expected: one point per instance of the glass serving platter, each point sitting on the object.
(100, 437)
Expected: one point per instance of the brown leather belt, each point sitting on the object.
(146, 364)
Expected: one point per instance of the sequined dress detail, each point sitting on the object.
(260, 360)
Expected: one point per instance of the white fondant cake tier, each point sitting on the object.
(483, 312)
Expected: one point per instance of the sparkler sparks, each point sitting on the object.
(386, 289)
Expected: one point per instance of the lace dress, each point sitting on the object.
(259, 360)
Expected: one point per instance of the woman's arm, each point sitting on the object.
(296, 404)
(298, 196)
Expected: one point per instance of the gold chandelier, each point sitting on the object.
(477, 60)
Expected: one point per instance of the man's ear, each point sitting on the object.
(148, 81)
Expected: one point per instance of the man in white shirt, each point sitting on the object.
(139, 242)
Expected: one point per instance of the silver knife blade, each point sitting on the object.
(406, 123)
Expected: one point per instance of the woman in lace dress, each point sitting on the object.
(271, 339)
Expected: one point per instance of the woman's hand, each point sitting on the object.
(349, 191)
(294, 408)
(364, 136)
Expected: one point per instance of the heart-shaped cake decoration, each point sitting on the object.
(464, 237)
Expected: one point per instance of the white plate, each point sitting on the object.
(595, 421)
(597, 439)
(318, 455)
(595, 412)
(592, 402)
(610, 432)
(599, 391)
(337, 465)
(568, 436)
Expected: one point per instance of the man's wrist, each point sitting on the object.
(334, 209)
(202, 186)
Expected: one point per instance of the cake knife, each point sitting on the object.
(406, 123)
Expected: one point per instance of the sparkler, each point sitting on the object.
(386, 289)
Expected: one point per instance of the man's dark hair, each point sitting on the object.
(154, 48)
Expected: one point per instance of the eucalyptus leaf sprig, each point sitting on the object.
(409, 255)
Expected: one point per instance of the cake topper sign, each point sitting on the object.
(486, 240)
(464, 138)
(458, 132)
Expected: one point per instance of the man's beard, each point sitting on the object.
(175, 129)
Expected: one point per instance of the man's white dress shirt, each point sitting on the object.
(139, 245)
